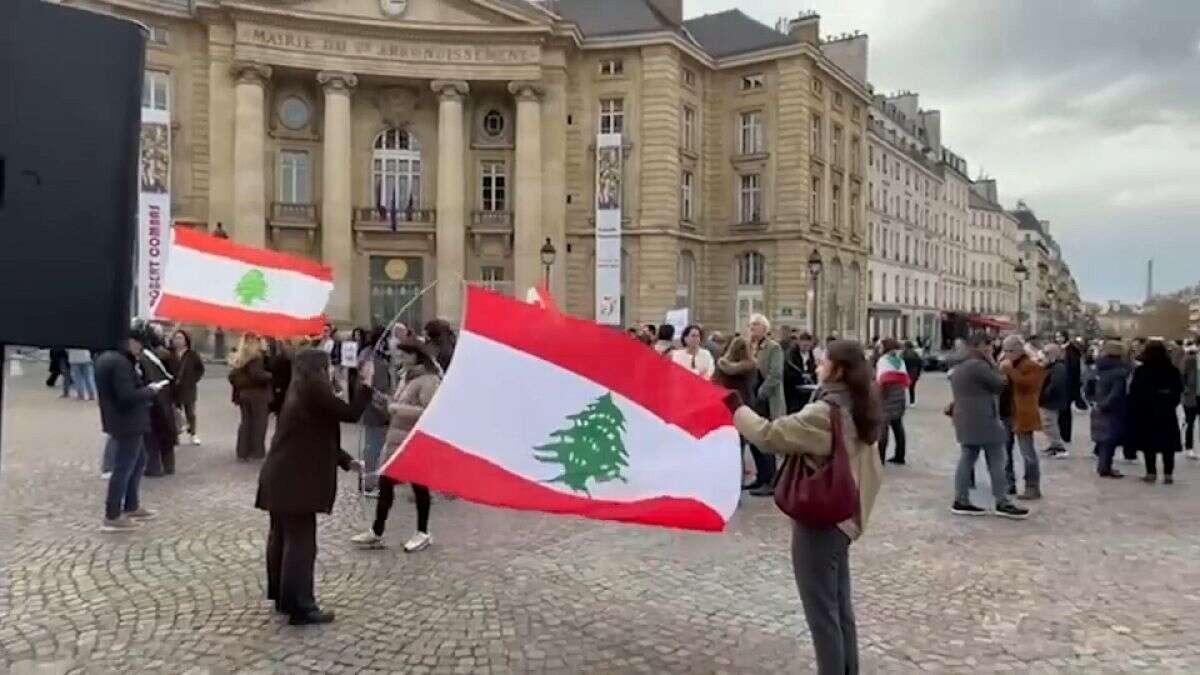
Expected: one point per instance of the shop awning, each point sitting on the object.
(993, 322)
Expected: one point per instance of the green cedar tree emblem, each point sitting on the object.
(592, 448)
(251, 288)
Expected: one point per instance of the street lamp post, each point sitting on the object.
(814, 272)
(548, 254)
(1022, 273)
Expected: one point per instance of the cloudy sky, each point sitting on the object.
(1089, 110)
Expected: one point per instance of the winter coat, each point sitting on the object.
(1056, 390)
(1190, 383)
(251, 379)
(187, 369)
(976, 386)
(280, 367)
(808, 434)
(738, 376)
(1154, 395)
(381, 382)
(799, 369)
(1074, 359)
(701, 364)
(913, 364)
(769, 395)
(1025, 376)
(164, 425)
(300, 473)
(1111, 410)
(411, 399)
(124, 400)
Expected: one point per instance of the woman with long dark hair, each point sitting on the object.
(188, 369)
(820, 557)
(693, 356)
(299, 480)
(420, 383)
(441, 337)
(1154, 395)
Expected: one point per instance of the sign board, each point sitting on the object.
(350, 354)
(609, 179)
(679, 319)
(154, 195)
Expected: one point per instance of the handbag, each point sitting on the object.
(824, 496)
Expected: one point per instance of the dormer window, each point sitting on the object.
(612, 67)
(753, 82)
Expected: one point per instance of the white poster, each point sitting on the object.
(609, 179)
(679, 319)
(154, 208)
(350, 354)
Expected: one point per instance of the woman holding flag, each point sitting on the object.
(892, 377)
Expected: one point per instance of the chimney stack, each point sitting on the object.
(672, 9)
(806, 28)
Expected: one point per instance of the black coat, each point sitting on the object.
(187, 371)
(913, 364)
(124, 402)
(164, 426)
(1111, 411)
(1074, 359)
(300, 473)
(798, 369)
(280, 367)
(1153, 397)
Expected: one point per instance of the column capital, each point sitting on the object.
(335, 80)
(527, 90)
(450, 89)
(250, 72)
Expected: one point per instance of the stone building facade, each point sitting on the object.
(408, 142)
(993, 255)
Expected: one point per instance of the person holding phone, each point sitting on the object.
(125, 417)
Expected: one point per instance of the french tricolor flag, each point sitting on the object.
(217, 282)
(575, 419)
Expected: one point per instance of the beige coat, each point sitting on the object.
(807, 432)
(411, 399)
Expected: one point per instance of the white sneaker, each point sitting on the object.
(419, 542)
(105, 475)
(367, 539)
(371, 494)
(1192, 454)
(195, 440)
(119, 524)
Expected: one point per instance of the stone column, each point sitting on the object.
(337, 237)
(451, 199)
(527, 210)
(249, 129)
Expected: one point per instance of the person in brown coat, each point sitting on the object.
(252, 393)
(299, 480)
(1024, 376)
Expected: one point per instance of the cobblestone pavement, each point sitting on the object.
(1104, 577)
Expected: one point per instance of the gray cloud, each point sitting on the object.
(1087, 109)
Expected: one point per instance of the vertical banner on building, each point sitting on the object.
(609, 179)
(154, 207)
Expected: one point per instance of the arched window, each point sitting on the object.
(685, 278)
(396, 170)
(752, 274)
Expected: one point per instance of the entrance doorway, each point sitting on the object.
(395, 282)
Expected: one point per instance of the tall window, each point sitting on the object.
(855, 150)
(493, 186)
(294, 185)
(817, 141)
(686, 185)
(155, 88)
(837, 145)
(750, 199)
(814, 200)
(612, 116)
(854, 212)
(492, 277)
(689, 128)
(883, 288)
(685, 277)
(751, 271)
(396, 170)
(612, 67)
(837, 206)
(751, 140)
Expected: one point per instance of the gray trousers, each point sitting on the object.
(821, 565)
(994, 454)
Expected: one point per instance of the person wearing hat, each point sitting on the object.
(418, 385)
(1111, 407)
(125, 417)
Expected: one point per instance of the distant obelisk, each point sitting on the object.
(1149, 280)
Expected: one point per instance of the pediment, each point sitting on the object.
(443, 13)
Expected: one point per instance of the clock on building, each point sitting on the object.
(393, 7)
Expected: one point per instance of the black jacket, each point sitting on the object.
(187, 370)
(124, 402)
(1056, 388)
(1153, 396)
(913, 364)
(300, 473)
(1075, 373)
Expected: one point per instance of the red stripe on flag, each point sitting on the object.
(260, 257)
(897, 377)
(603, 355)
(231, 318)
(428, 461)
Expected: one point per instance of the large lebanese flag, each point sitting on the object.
(541, 411)
(217, 282)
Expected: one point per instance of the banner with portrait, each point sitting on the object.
(154, 208)
(609, 194)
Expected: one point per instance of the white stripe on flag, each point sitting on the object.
(508, 402)
(197, 275)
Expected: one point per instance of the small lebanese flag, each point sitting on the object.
(217, 282)
(575, 419)
(890, 370)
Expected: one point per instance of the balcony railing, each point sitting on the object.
(502, 287)
(497, 219)
(294, 213)
(374, 217)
